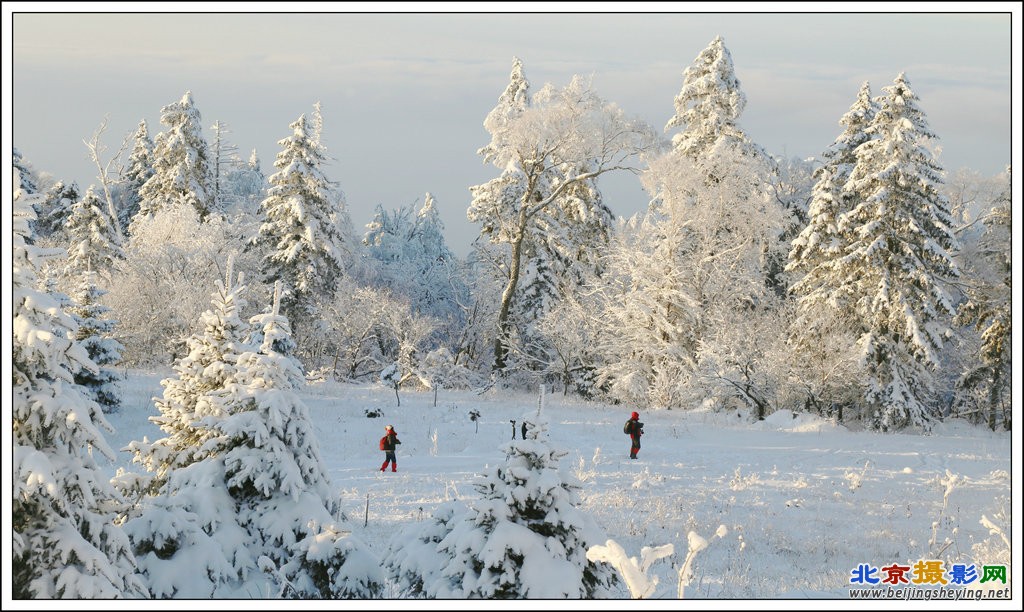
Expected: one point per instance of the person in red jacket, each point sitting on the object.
(635, 429)
(387, 444)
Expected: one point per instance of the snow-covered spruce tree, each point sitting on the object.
(93, 245)
(820, 242)
(29, 180)
(550, 151)
(181, 163)
(185, 527)
(277, 478)
(709, 105)
(53, 210)
(65, 542)
(899, 252)
(989, 309)
(695, 270)
(135, 175)
(95, 335)
(822, 335)
(301, 233)
(708, 108)
(524, 538)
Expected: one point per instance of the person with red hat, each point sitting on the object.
(387, 444)
(634, 428)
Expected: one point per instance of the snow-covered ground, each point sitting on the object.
(788, 508)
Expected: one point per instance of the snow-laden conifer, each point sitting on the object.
(95, 334)
(898, 256)
(523, 538)
(301, 232)
(93, 243)
(138, 171)
(181, 163)
(65, 541)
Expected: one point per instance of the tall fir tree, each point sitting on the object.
(181, 163)
(139, 170)
(66, 543)
(278, 480)
(301, 233)
(822, 329)
(898, 257)
(709, 105)
(93, 245)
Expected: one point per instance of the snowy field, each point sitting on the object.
(788, 508)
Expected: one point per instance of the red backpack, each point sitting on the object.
(383, 442)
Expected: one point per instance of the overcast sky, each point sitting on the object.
(404, 95)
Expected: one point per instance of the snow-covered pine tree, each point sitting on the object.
(524, 538)
(202, 375)
(899, 253)
(989, 309)
(709, 105)
(65, 541)
(301, 233)
(185, 527)
(138, 171)
(181, 163)
(550, 150)
(93, 244)
(278, 481)
(94, 334)
(29, 180)
(54, 210)
(820, 242)
(822, 333)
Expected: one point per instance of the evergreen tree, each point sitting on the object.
(65, 540)
(28, 181)
(244, 183)
(181, 163)
(139, 170)
(897, 256)
(301, 231)
(248, 479)
(185, 510)
(93, 244)
(278, 480)
(415, 261)
(989, 309)
(820, 241)
(524, 528)
(54, 210)
(94, 334)
(709, 105)
(821, 330)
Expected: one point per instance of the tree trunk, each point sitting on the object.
(515, 270)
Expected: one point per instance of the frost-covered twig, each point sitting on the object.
(695, 544)
(639, 584)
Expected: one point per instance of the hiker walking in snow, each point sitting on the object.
(387, 444)
(634, 428)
